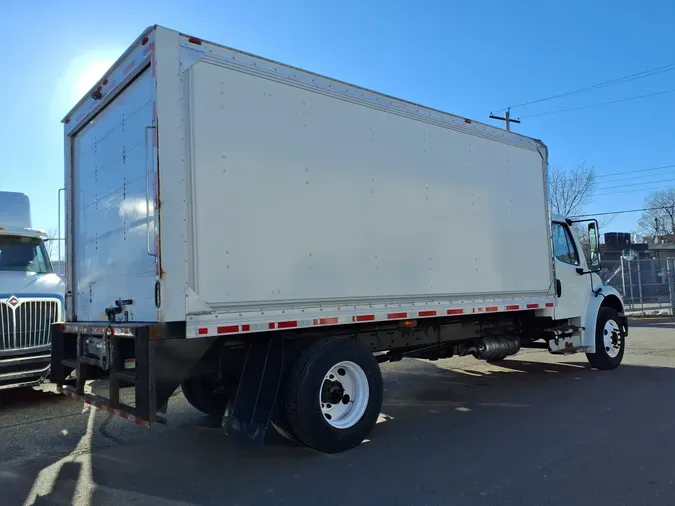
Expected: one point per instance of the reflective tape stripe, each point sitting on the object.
(235, 327)
(396, 316)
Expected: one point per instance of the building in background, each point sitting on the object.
(642, 271)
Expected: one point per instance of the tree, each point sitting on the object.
(664, 217)
(570, 190)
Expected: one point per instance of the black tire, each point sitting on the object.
(206, 395)
(305, 381)
(602, 359)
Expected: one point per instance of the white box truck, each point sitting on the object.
(31, 296)
(263, 236)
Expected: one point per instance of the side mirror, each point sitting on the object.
(594, 246)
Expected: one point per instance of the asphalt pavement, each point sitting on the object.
(539, 430)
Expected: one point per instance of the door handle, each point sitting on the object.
(149, 174)
(558, 288)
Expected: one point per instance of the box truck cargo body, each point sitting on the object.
(232, 222)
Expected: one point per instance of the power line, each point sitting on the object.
(638, 176)
(632, 190)
(636, 170)
(635, 184)
(630, 178)
(626, 211)
(598, 105)
(631, 77)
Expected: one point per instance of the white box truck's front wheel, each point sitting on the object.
(334, 394)
(610, 340)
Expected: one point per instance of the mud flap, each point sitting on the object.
(259, 382)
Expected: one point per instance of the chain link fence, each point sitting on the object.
(647, 285)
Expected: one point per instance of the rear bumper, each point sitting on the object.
(28, 368)
(149, 359)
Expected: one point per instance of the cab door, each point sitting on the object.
(571, 284)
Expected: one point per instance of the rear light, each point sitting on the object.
(195, 40)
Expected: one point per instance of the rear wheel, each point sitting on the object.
(610, 340)
(206, 394)
(334, 395)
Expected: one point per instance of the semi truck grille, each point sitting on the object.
(26, 323)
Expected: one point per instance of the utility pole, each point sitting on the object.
(506, 118)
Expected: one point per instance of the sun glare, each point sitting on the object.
(89, 74)
(80, 75)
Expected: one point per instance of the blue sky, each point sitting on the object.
(468, 58)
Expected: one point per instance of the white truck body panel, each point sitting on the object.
(290, 200)
(299, 196)
(114, 229)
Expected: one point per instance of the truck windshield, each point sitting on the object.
(23, 254)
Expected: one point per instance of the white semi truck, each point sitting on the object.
(31, 296)
(264, 236)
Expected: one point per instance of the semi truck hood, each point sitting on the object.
(30, 285)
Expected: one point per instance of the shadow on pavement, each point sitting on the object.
(446, 431)
(64, 489)
(515, 433)
(15, 398)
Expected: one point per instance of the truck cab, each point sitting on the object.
(31, 296)
(582, 301)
